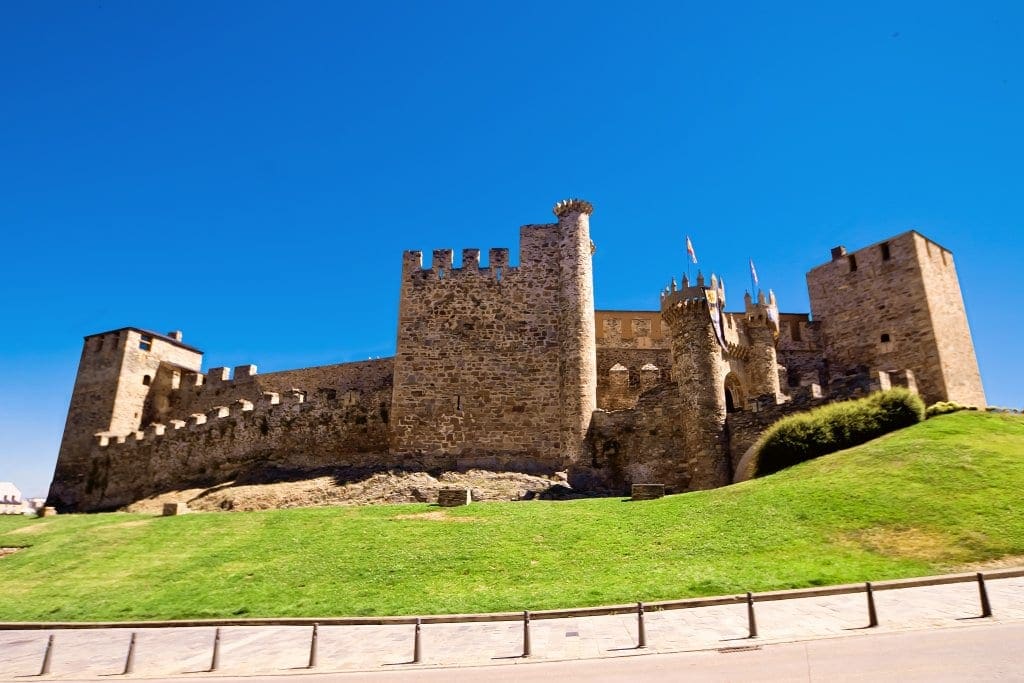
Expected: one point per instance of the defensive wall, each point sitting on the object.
(226, 430)
(510, 368)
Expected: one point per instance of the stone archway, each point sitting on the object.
(734, 395)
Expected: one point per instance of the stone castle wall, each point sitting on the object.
(277, 432)
(645, 444)
(496, 365)
(176, 393)
(508, 367)
(636, 371)
(960, 375)
(799, 351)
(477, 363)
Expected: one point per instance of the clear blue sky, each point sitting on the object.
(250, 172)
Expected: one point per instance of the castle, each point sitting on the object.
(510, 368)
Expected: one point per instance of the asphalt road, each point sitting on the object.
(978, 652)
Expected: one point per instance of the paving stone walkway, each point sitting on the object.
(261, 650)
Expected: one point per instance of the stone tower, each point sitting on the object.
(577, 331)
(115, 373)
(496, 366)
(692, 314)
(897, 305)
(761, 322)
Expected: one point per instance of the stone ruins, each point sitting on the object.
(510, 368)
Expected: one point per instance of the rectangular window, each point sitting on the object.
(146, 343)
(853, 262)
(884, 247)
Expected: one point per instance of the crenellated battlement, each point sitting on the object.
(687, 301)
(442, 266)
(214, 379)
(570, 206)
(268, 404)
(712, 293)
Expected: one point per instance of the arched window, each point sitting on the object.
(146, 379)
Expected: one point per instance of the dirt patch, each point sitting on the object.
(134, 522)
(155, 504)
(319, 489)
(436, 516)
(4, 552)
(31, 529)
(1001, 563)
(909, 543)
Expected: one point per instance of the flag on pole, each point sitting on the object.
(753, 273)
(690, 251)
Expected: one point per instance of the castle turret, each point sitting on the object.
(576, 330)
(761, 321)
(699, 368)
(115, 373)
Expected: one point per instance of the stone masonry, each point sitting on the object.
(511, 368)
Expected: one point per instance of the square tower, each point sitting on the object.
(115, 374)
(897, 305)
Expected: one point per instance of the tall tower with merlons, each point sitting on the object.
(693, 316)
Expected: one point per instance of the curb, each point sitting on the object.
(688, 603)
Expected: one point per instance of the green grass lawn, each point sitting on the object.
(928, 499)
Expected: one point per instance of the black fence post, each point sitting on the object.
(751, 621)
(215, 659)
(641, 631)
(526, 633)
(417, 652)
(872, 613)
(986, 607)
(129, 660)
(312, 646)
(47, 657)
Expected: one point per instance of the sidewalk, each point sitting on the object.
(265, 650)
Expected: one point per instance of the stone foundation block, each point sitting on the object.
(450, 498)
(172, 509)
(47, 512)
(648, 491)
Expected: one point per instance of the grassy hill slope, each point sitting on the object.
(936, 497)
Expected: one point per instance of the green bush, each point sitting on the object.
(944, 408)
(832, 428)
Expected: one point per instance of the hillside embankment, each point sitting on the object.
(937, 497)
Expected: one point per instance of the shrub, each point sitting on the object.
(944, 408)
(832, 428)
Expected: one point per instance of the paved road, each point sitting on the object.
(591, 645)
(984, 652)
